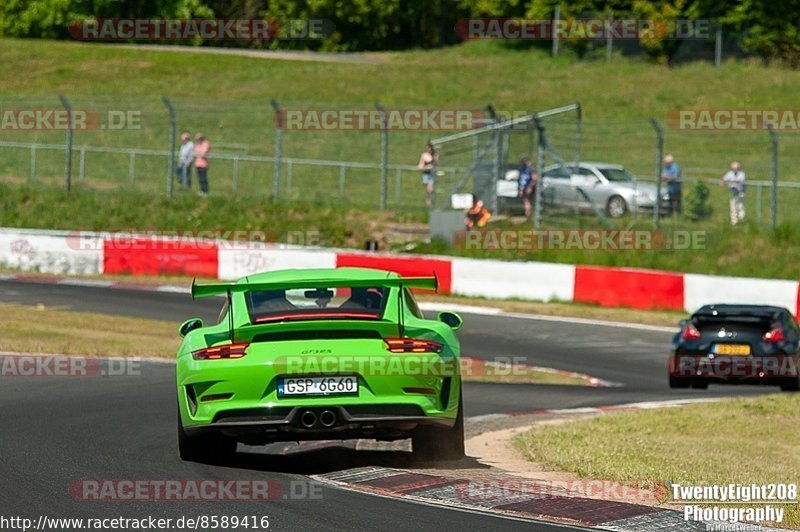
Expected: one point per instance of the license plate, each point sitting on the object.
(740, 350)
(338, 385)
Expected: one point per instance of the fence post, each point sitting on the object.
(540, 148)
(659, 169)
(235, 177)
(774, 171)
(81, 163)
(171, 156)
(68, 154)
(609, 37)
(132, 168)
(718, 47)
(341, 179)
(384, 155)
(278, 149)
(578, 133)
(33, 163)
(556, 16)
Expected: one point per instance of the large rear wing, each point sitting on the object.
(217, 289)
(228, 289)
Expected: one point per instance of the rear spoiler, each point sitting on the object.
(217, 289)
(228, 289)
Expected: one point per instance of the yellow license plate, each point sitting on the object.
(741, 350)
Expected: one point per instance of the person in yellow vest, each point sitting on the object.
(477, 215)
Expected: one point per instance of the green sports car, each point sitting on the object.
(319, 354)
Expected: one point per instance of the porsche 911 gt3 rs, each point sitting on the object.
(319, 354)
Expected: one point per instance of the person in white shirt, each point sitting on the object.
(735, 179)
(185, 160)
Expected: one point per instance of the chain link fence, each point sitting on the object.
(125, 144)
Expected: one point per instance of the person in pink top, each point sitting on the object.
(201, 149)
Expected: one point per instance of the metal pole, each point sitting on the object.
(132, 168)
(609, 37)
(81, 163)
(398, 185)
(341, 179)
(718, 48)
(171, 156)
(289, 177)
(774, 136)
(33, 163)
(491, 200)
(556, 17)
(384, 155)
(278, 119)
(758, 202)
(68, 154)
(659, 169)
(578, 133)
(537, 201)
(235, 179)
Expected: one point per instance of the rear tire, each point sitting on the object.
(792, 384)
(207, 448)
(616, 207)
(678, 382)
(700, 385)
(440, 444)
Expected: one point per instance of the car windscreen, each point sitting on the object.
(320, 303)
(616, 174)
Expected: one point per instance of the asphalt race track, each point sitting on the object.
(59, 430)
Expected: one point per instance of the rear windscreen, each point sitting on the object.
(265, 306)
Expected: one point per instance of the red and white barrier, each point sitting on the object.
(60, 252)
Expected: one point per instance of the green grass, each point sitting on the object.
(743, 441)
(745, 250)
(227, 97)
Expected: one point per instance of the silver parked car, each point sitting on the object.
(609, 186)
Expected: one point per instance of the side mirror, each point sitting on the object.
(451, 319)
(189, 325)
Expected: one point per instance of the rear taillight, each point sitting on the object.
(690, 332)
(774, 335)
(411, 345)
(220, 352)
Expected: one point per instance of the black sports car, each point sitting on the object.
(749, 344)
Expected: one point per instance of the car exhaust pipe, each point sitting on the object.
(327, 418)
(308, 419)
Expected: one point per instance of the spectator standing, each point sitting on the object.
(201, 149)
(477, 215)
(527, 185)
(735, 179)
(185, 160)
(672, 175)
(427, 164)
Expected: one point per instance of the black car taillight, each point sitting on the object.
(690, 332)
(220, 352)
(774, 335)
